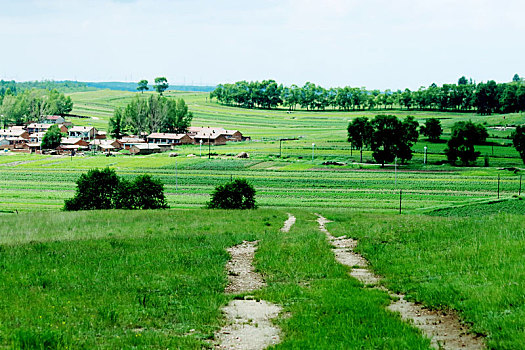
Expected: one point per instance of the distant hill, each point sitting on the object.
(122, 86)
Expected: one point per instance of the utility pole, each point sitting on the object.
(209, 147)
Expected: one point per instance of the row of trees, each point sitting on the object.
(31, 105)
(485, 98)
(390, 138)
(152, 114)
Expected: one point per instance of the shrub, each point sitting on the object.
(237, 194)
(103, 189)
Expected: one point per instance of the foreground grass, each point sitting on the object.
(473, 265)
(155, 279)
(117, 279)
(329, 309)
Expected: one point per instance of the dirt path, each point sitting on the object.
(249, 321)
(444, 330)
(288, 223)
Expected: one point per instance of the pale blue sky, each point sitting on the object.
(376, 43)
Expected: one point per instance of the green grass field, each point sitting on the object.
(155, 279)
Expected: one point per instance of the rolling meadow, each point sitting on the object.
(450, 238)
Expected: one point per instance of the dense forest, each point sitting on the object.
(484, 98)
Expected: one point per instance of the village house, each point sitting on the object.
(38, 127)
(53, 119)
(14, 132)
(210, 137)
(105, 145)
(83, 132)
(170, 139)
(144, 148)
(36, 137)
(230, 135)
(127, 142)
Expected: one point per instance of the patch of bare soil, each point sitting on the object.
(288, 223)
(249, 324)
(241, 274)
(444, 329)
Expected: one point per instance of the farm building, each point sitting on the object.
(145, 148)
(53, 119)
(171, 139)
(36, 137)
(83, 132)
(73, 141)
(212, 138)
(105, 145)
(230, 135)
(14, 132)
(128, 142)
(37, 127)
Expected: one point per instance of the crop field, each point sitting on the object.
(156, 279)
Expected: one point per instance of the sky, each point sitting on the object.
(376, 44)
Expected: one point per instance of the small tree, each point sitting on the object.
(359, 133)
(142, 85)
(149, 193)
(103, 189)
(432, 129)
(95, 190)
(52, 138)
(518, 140)
(237, 194)
(115, 123)
(161, 84)
(461, 143)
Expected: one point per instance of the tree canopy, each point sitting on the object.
(465, 135)
(518, 140)
(52, 138)
(103, 189)
(237, 194)
(432, 129)
(161, 85)
(32, 105)
(485, 98)
(393, 138)
(360, 133)
(142, 85)
(152, 114)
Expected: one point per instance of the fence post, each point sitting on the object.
(519, 191)
(400, 196)
(498, 186)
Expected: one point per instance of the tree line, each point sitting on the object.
(484, 98)
(153, 114)
(390, 138)
(22, 106)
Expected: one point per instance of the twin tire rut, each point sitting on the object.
(444, 330)
(249, 325)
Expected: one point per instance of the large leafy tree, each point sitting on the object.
(393, 138)
(161, 84)
(465, 135)
(142, 85)
(518, 140)
(432, 129)
(360, 133)
(52, 138)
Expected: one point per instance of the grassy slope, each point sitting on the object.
(473, 265)
(154, 279)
